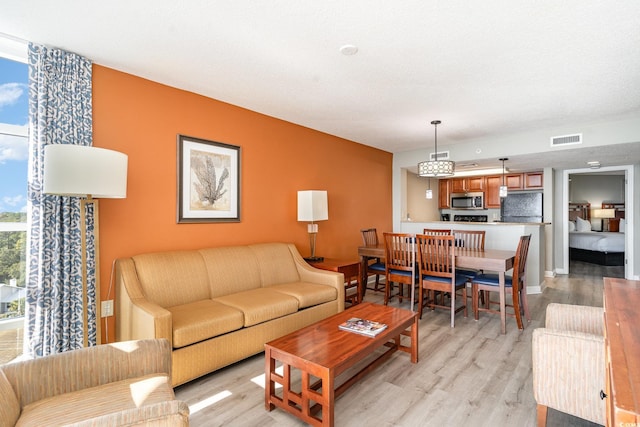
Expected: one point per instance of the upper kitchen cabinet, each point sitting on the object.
(533, 180)
(514, 181)
(471, 183)
(444, 193)
(492, 195)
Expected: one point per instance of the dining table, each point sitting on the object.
(495, 260)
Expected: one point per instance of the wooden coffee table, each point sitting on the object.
(321, 352)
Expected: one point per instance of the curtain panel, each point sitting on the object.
(60, 112)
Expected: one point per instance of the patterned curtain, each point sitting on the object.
(60, 112)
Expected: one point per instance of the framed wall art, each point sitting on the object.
(208, 181)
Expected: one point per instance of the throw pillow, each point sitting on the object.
(582, 225)
(622, 224)
(572, 226)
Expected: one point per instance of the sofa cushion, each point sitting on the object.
(96, 401)
(231, 269)
(308, 294)
(261, 305)
(201, 320)
(10, 407)
(172, 278)
(276, 262)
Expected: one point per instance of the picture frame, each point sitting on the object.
(208, 181)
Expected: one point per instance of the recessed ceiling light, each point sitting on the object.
(348, 50)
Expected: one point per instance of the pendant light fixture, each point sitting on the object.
(435, 167)
(503, 187)
(429, 193)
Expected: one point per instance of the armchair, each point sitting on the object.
(569, 362)
(126, 383)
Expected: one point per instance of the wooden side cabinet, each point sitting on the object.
(622, 347)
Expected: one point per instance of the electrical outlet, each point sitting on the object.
(106, 308)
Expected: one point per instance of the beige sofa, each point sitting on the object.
(217, 306)
(121, 384)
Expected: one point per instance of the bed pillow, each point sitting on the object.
(572, 226)
(622, 224)
(582, 225)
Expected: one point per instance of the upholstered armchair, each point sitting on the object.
(569, 362)
(120, 384)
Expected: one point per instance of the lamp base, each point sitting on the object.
(314, 259)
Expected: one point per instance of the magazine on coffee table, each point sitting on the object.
(363, 326)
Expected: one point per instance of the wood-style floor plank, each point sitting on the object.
(467, 375)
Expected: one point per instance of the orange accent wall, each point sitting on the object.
(142, 119)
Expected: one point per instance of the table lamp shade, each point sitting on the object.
(604, 213)
(77, 170)
(312, 205)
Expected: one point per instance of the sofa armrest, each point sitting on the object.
(579, 318)
(163, 414)
(569, 372)
(315, 275)
(136, 317)
(88, 367)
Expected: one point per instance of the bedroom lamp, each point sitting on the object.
(604, 214)
(313, 206)
(86, 172)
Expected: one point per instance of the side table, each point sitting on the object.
(352, 277)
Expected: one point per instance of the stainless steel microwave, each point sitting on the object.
(467, 200)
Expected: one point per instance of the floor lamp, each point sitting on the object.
(313, 206)
(89, 173)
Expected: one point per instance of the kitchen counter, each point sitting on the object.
(500, 235)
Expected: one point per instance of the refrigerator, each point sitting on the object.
(522, 207)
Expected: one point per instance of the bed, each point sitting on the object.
(597, 247)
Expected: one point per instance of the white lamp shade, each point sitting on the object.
(77, 170)
(312, 205)
(604, 213)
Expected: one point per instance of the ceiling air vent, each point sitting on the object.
(441, 155)
(558, 141)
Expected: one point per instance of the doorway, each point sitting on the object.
(627, 171)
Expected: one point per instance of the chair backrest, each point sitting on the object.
(369, 236)
(520, 260)
(436, 232)
(399, 250)
(436, 255)
(469, 239)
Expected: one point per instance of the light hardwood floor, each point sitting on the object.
(470, 375)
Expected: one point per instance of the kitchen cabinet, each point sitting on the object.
(444, 193)
(471, 183)
(533, 180)
(492, 195)
(514, 181)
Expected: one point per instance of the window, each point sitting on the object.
(14, 123)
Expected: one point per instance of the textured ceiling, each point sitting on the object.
(484, 68)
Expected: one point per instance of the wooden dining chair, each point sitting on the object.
(515, 286)
(375, 266)
(437, 269)
(401, 268)
(436, 232)
(469, 239)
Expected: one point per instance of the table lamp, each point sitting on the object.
(604, 214)
(85, 172)
(313, 206)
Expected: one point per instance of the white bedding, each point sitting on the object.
(597, 241)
